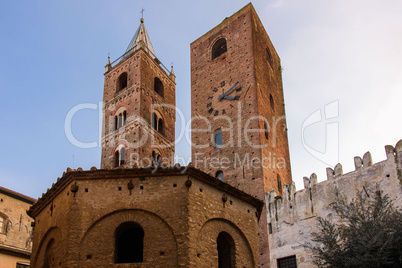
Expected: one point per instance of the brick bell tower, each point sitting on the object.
(239, 131)
(138, 108)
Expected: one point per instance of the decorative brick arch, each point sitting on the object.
(207, 239)
(159, 239)
(53, 234)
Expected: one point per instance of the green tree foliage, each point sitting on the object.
(367, 234)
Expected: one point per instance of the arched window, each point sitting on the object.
(160, 126)
(124, 118)
(219, 48)
(226, 250)
(153, 158)
(129, 243)
(116, 122)
(49, 255)
(154, 121)
(117, 158)
(219, 175)
(122, 156)
(158, 86)
(120, 120)
(266, 130)
(218, 138)
(156, 159)
(122, 81)
(157, 122)
(278, 178)
(271, 101)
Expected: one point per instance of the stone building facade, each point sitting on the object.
(239, 131)
(171, 218)
(15, 229)
(292, 218)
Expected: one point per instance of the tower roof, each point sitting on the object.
(141, 40)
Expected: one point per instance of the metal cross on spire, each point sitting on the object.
(142, 12)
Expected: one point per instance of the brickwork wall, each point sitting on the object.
(176, 226)
(249, 161)
(269, 84)
(209, 215)
(16, 231)
(236, 65)
(293, 217)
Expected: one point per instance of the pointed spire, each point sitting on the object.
(141, 40)
(172, 75)
(108, 65)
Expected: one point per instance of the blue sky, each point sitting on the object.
(343, 55)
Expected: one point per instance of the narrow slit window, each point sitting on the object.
(269, 57)
(124, 118)
(122, 156)
(218, 138)
(117, 158)
(120, 120)
(154, 121)
(160, 126)
(278, 178)
(271, 101)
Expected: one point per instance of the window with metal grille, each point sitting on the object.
(288, 262)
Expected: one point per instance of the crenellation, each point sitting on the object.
(306, 182)
(309, 182)
(338, 171)
(367, 161)
(358, 162)
(398, 149)
(313, 179)
(330, 173)
(291, 215)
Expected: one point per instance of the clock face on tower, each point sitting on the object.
(226, 94)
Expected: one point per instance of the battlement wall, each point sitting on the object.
(292, 218)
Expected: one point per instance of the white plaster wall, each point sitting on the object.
(293, 216)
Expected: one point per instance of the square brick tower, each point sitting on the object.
(138, 108)
(237, 107)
